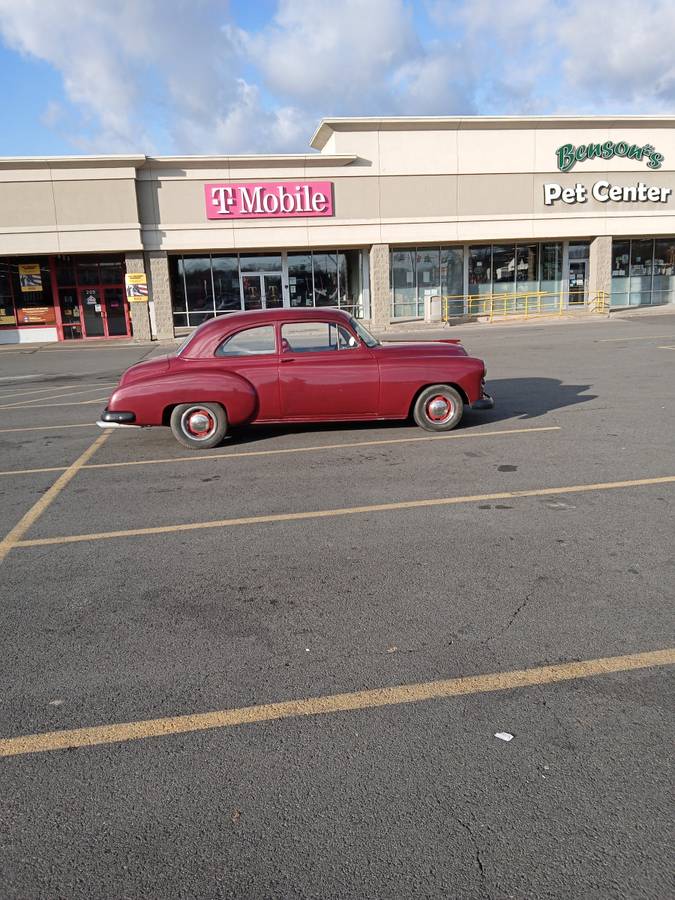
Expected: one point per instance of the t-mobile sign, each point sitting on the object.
(269, 199)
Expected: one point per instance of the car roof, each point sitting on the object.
(221, 326)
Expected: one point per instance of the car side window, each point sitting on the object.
(249, 342)
(315, 337)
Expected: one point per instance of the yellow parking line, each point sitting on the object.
(10, 540)
(50, 405)
(56, 387)
(643, 337)
(25, 404)
(346, 511)
(333, 703)
(204, 456)
(665, 348)
(48, 427)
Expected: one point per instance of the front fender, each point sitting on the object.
(148, 399)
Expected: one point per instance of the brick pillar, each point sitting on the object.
(157, 265)
(600, 265)
(380, 291)
(140, 314)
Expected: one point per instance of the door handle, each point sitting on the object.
(287, 360)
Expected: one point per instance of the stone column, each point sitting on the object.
(600, 266)
(380, 290)
(157, 265)
(140, 314)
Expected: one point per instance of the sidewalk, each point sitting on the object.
(415, 328)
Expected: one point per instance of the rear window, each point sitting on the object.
(249, 342)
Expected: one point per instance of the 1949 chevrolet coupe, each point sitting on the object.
(286, 365)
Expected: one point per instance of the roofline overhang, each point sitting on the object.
(458, 123)
(142, 161)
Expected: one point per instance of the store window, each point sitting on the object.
(300, 279)
(480, 270)
(325, 279)
(403, 283)
(663, 283)
(208, 285)
(504, 268)
(643, 271)
(452, 278)
(419, 273)
(26, 292)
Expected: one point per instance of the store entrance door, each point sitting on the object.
(103, 312)
(578, 282)
(262, 290)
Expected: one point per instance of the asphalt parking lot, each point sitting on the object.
(277, 669)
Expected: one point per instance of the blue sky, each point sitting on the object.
(211, 76)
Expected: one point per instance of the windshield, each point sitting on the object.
(363, 333)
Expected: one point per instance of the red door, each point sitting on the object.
(325, 372)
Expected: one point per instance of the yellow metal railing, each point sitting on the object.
(523, 305)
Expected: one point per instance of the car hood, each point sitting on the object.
(147, 369)
(419, 349)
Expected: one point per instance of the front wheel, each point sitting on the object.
(199, 426)
(438, 408)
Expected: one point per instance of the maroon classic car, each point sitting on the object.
(289, 365)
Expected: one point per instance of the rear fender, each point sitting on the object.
(152, 399)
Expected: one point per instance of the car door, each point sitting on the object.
(326, 372)
(252, 354)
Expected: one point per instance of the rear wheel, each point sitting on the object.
(438, 408)
(199, 426)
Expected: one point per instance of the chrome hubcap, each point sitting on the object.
(198, 423)
(439, 409)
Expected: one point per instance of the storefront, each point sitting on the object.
(63, 297)
(385, 216)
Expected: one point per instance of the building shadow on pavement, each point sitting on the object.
(515, 399)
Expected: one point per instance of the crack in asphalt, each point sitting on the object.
(476, 847)
(506, 627)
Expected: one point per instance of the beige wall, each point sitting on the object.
(68, 207)
(394, 182)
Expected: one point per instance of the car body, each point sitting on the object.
(293, 365)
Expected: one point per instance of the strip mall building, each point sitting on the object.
(384, 216)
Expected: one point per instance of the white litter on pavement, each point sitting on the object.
(504, 736)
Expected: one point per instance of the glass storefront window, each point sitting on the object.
(527, 278)
(32, 307)
(404, 288)
(198, 289)
(579, 250)
(65, 271)
(503, 268)
(620, 272)
(641, 259)
(452, 278)
(663, 284)
(300, 289)
(87, 273)
(7, 316)
(111, 271)
(226, 283)
(428, 275)
(260, 262)
(325, 279)
(177, 282)
(480, 270)
(349, 270)
(214, 284)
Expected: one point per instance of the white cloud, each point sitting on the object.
(178, 76)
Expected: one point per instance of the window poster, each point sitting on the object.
(30, 277)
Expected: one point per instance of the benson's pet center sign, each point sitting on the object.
(568, 156)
